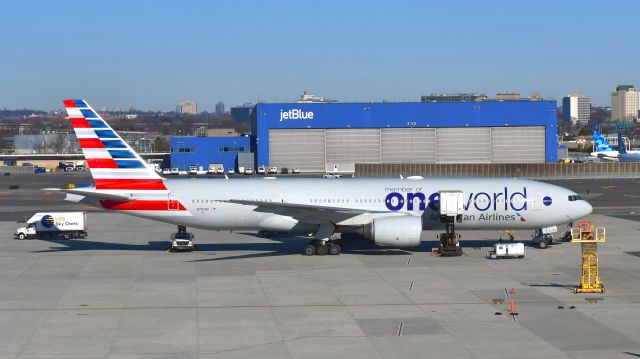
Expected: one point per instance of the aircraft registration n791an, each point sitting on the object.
(387, 211)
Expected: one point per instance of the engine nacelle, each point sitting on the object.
(402, 231)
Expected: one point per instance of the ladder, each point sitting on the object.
(588, 238)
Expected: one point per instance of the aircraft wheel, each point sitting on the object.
(309, 250)
(321, 249)
(335, 249)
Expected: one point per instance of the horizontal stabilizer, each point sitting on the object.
(92, 193)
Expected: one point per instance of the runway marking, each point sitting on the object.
(631, 195)
(611, 186)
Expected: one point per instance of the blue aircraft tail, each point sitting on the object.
(621, 147)
(601, 143)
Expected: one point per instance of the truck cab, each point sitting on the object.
(27, 231)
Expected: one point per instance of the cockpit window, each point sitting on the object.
(574, 198)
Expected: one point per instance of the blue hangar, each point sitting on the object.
(322, 137)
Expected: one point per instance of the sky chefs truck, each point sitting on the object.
(65, 224)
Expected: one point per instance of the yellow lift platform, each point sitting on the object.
(589, 239)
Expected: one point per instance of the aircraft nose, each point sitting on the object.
(583, 209)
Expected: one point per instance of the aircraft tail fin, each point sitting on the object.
(621, 146)
(602, 145)
(114, 165)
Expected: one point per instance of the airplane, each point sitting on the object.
(386, 211)
(604, 149)
(623, 155)
(602, 146)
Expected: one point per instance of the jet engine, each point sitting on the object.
(402, 231)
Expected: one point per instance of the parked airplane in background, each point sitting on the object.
(604, 149)
(389, 212)
(602, 146)
(623, 155)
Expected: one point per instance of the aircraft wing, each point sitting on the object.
(311, 213)
(90, 192)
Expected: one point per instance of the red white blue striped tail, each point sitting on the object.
(114, 165)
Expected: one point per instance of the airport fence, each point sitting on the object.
(551, 171)
(13, 170)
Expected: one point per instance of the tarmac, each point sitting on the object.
(120, 294)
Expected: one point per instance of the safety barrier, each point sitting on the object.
(13, 170)
(602, 170)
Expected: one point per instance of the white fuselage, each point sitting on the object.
(489, 203)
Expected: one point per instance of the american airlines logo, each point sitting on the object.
(295, 114)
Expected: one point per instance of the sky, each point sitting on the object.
(154, 54)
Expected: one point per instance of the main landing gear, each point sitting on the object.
(321, 248)
(323, 243)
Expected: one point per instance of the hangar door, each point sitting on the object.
(408, 145)
(518, 144)
(297, 148)
(347, 146)
(463, 145)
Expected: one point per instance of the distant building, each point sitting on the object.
(576, 109)
(624, 103)
(478, 97)
(187, 108)
(453, 97)
(508, 96)
(220, 108)
(307, 97)
(243, 112)
(222, 132)
(204, 151)
(45, 143)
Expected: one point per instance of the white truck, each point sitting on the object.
(215, 168)
(79, 166)
(66, 224)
